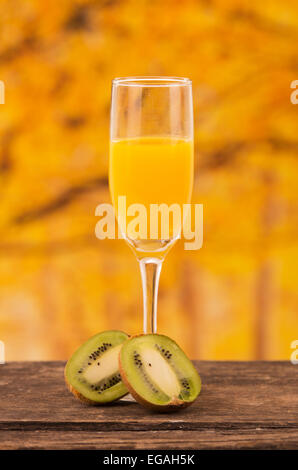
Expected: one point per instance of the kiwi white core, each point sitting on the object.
(161, 372)
(106, 365)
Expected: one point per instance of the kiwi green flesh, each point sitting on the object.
(92, 373)
(158, 372)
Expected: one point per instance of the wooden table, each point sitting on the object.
(250, 405)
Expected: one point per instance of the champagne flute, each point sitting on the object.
(151, 164)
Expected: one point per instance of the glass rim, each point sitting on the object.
(152, 81)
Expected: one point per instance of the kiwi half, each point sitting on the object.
(157, 373)
(92, 373)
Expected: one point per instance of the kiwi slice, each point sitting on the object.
(157, 372)
(92, 373)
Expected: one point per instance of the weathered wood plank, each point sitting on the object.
(242, 404)
(205, 439)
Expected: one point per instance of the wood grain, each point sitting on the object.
(249, 405)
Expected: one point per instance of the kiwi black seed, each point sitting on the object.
(92, 373)
(158, 373)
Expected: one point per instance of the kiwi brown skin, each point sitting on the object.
(76, 393)
(174, 405)
(85, 400)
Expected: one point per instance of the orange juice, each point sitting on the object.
(151, 170)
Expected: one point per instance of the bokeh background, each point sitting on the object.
(236, 298)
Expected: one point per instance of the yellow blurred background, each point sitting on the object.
(236, 298)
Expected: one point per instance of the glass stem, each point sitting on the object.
(150, 272)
